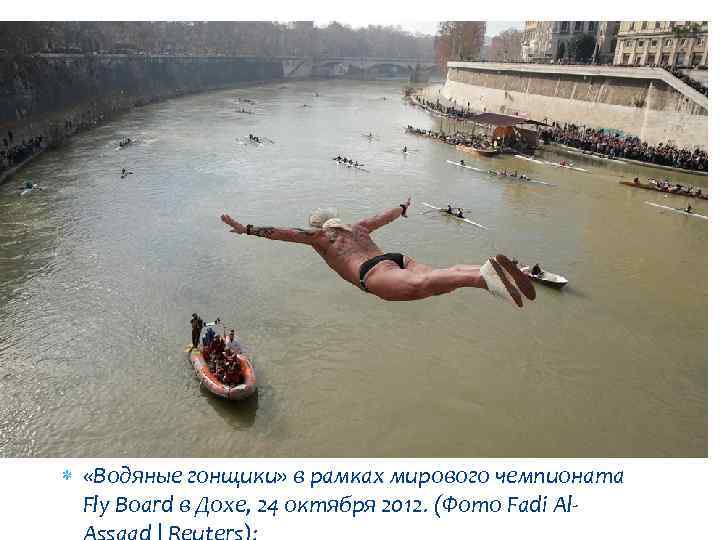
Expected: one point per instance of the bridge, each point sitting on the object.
(294, 67)
(416, 69)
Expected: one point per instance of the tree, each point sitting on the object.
(506, 46)
(459, 40)
(581, 47)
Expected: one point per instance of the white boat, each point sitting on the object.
(457, 164)
(548, 278)
(677, 210)
(340, 163)
(573, 167)
(495, 173)
(552, 163)
(445, 212)
(528, 158)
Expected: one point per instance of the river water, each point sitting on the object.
(99, 277)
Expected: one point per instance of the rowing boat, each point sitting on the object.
(678, 210)
(495, 173)
(552, 163)
(547, 278)
(511, 177)
(463, 166)
(350, 166)
(466, 220)
(653, 187)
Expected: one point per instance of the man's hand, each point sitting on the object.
(405, 207)
(235, 227)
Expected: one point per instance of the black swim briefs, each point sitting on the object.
(397, 258)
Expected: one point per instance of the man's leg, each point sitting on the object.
(520, 280)
(398, 284)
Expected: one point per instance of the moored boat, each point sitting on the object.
(216, 386)
(487, 152)
(653, 187)
(547, 278)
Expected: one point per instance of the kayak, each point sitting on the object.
(214, 385)
(678, 210)
(466, 220)
(547, 278)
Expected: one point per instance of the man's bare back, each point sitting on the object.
(351, 252)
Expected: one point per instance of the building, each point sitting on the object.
(605, 42)
(680, 44)
(551, 41)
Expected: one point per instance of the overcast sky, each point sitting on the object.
(429, 27)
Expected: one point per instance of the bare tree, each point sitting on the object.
(459, 40)
(506, 46)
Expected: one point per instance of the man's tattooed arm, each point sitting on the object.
(300, 236)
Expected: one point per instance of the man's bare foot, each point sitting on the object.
(506, 283)
(521, 280)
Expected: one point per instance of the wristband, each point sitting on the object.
(404, 210)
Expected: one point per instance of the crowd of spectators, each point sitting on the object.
(697, 85)
(614, 145)
(451, 111)
(13, 153)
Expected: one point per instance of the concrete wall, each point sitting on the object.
(645, 107)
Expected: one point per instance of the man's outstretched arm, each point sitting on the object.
(388, 216)
(299, 236)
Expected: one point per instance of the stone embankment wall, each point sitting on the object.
(53, 97)
(641, 106)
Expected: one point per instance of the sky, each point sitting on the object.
(429, 27)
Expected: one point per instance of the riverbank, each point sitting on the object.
(639, 102)
(53, 99)
(570, 150)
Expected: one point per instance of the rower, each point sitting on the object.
(689, 209)
(405, 150)
(536, 270)
(460, 213)
(636, 180)
(449, 209)
(462, 162)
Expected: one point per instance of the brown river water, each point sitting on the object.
(99, 277)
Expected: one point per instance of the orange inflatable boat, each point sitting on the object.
(212, 383)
